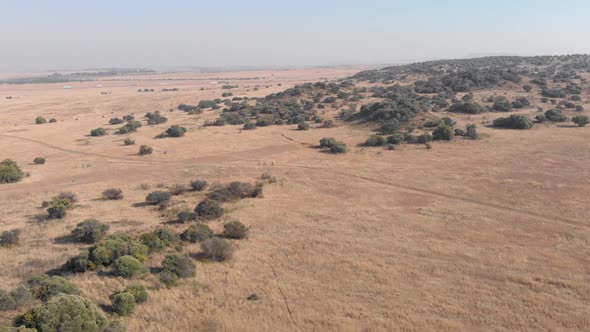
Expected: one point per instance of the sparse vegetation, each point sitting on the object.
(9, 238)
(581, 120)
(39, 161)
(40, 120)
(98, 132)
(197, 233)
(112, 194)
(217, 249)
(145, 150)
(199, 185)
(235, 230)
(158, 197)
(10, 172)
(515, 121)
(128, 141)
(128, 267)
(89, 231)
(209, 209)
(179, 265)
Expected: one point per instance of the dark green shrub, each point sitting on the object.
(128, 141)
(327, 142)
(209, 209)
(130, 127)
(155, 118)
(128, 267)
(40, 120)
(10, 171)
(521, 102)
(67, 195)
(471, 131)
(89, 231)
(115, 121)
(39, 161)
(145, 149)
(540, 118)
(186, 216)
(168, 278)
(233, 191)
(175, 131)
(527, 88)
(80, 263)
(555, 116)
(7, 302)
(581, 120)
(217, 249)
(166, 235)
(152, 241)
(443, 132)
(115, 246)
(459, 132)
(58, 208)
(123, 303)
(396, 139)
(199, 185)
(235, 230)
(138, 291)
(515, 121)
(579, 108)
(181, 266)
(328, 124)
(9, 238)
(338, 147)
(113, 194)
(502, 105)
(128, 117)
(44, 287)
(249, 125)
(375, 140)
(303, 126)
(98, 132)
(67, 313)
(158, 197)
(466, 107)
(197, 233)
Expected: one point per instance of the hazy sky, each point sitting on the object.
(52, 34)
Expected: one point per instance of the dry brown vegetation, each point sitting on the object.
(471, 235)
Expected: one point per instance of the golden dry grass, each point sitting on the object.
(486, 235)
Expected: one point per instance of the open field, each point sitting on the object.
(471, 235)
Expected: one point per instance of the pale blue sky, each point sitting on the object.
(78, 34)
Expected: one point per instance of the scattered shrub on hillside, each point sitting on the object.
(443, 132)
(9, 238)
(235, 230)
(112, 194)
(425, 138)
(115, 246)
(249, 126)
(459, 132)
(155, 118)
(80, 263)
(338, 147)
(168, 278)
(217, 249)
(175, 131)
(58, 208)
(44, 287)
(501, 104)
(209, 209)
(178, 189)
(555, 116)
(186, 216)
(128, 141)
(521, 102)
(328, 124)
(128, 117)
(39, 161)
(69, 196)
(375, 140)
(158, 197)
(581, 120)
(233, 191)
(197, 233)
(515, 121)
(52, 120)
(396, 138)
(89, 231)
(159, 239)
(466, 107)
(128, 267)
(199, 185)
(123, 303)
(129, 127)
(527, 88)
(98, 132)
(327, 142)
(67, 313)
(179, 265)
(10, 171)
(145, 149)
(471, 131)
(138, 291)
(40, 120)
(14, 299)
(115, 121)
(303, 126)
(579, 108)
(540, 118)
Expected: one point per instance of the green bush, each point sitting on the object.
(175, 131)
(249, 126)
(166, 235)
(98, 132)
(158, 197)
(52, 120)
(128, 117)
(471, 131)
(527, 88)
(39, 161)
(181, 266)
(581, 120)
(115, 246)
(555, 116)
(130, 127)
(443, 132)
(209, 209)
(67, 313)
(9, 238)
(327, 142)
(10, 171)
(152, 241)
(40, 120)
(14, 299)
(199, 185)
(515, 121)
(89, 231)
(112, 194)
(396, 138)
(233, 191)
(425, 138)
(235, 230)
(80, 263)
(197, 233)
(155, 118)
(138, 291)
(338, 147)
(217, 249)
(502, 104)
(375, 140)
(44, 287)
(58, 208)
(145, 149)
(128, 141)
(303, 126)
(123, 303)
(168, 278)
(115, 121)
(128, 267)
(186, 216)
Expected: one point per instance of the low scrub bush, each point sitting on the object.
(375, 140)
(89, 231)
(217, 249)
(128, 267)
(10, 171)
(579, 120)
(303, 126)
(338, 147)
(327, 142)
(179, 265)
(14, 299)
(199, 185)
(425, 138)
(115, 246)
(98, 132)
(145, 150)
(555, 116)
(158, 197)
(67, 313)
(209, 209)
(9, 238)
(112, 194)
(155, 118)
(234, 191)
(186, 216)
(39, 161)
(197, 233)
(471, 131)
(178, 189)
(44, 287)
(235, 230)
(130, 127)
(58, 208)
(138, 291)
(175, 131)
(123, 303)
(128, 141)
(40, 120)
(443, 132)
(515, 121)
(115, 121)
